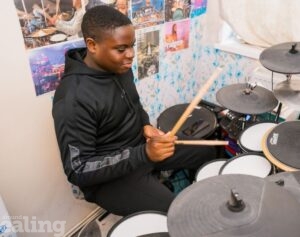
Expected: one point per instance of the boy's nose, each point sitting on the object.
(130, 53)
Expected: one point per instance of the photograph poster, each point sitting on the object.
(147, 52)
(177, 35)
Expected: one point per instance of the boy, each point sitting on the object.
(108, 147)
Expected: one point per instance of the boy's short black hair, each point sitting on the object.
(102, 18)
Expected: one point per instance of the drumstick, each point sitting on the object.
(202, 142)
(195, 101)
(57, 7)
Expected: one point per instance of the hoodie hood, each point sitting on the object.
(74, 64)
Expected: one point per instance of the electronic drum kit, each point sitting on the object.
(244, 204)
(254, 194)
(278, 142)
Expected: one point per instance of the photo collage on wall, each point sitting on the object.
(51, 27)
(147, 52)
(177, 35)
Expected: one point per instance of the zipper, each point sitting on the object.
(124, 95)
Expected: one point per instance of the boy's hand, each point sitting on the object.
(150, 131)
(160, 147)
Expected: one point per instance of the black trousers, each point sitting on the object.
(142, 190)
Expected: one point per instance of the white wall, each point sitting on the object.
(32, 182)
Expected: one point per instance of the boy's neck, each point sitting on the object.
(88, 60)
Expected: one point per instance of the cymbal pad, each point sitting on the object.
(201, 209)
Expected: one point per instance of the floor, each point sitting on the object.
(107, 223)
(103, 224)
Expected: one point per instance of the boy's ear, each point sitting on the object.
(90, 44)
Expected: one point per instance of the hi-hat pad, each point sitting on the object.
(245, 99)
(283, 58)
(234, 205)
(288, 92)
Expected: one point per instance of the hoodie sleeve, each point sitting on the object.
(145, 116)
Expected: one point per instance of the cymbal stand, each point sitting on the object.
(288, 78)
(274, 168)
(278, 113)
(272, 80)
(249, 88)
(245, 118)
(277, 116)
(243, 122)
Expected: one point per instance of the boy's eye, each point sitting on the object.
(121, 49)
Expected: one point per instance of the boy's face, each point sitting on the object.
(114, 52)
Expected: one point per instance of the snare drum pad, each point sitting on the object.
(250, 139)
(249, 164)
(200, 124)
(139, 224)
(209, 169)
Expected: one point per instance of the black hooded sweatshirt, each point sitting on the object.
(98, 122)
